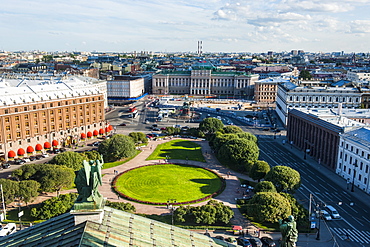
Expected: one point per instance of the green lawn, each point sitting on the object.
(159, 183)
(178, 149)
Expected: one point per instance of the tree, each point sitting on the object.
(259, 170)
(171, 131)
(232, 129)
(264, 186)
(117, 147)
(248, 136)
(92, 155)
(10, 189)
(268, 207)
(55, 206)
(305, 75)
(124, 206)
(69, 159)
(210, 125)
(239, 153)
(28, 190)
(284, 178)
(51, 177)
(138, 137)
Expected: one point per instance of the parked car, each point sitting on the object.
(56, 150)
(156, 129)
(32, 158)
(62, 150)
(163, 128)
(231, 240)
(95, 144)
(122, 124)
(244, 242)
(268, 242)
(19, 162)
(45, 155)
(220, 237)
(39, 157)
(26, 160)
(255, 242)
(5, 165)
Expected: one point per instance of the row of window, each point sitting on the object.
(359, 177)
(323, 99)
(43, 106)
(355, 150)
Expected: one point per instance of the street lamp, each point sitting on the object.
(291, 144)
(319, 225)
(354, 175)
(170, 206)
(305, 153)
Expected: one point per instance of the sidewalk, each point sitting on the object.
(330, 174)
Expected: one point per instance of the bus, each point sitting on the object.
(132, 109)
(134, 114)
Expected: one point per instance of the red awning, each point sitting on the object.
(95, 133)
(47, 145)
(11, 154)
(21, 151)
(83, 135)
(237, 228)
(106, 130)
(89, 134)
(101, 131)
(55, 143)
(30, 149)
(110, 127)
(38, 147)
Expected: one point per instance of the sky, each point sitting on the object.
(177, 25)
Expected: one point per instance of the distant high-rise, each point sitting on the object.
(200, 48)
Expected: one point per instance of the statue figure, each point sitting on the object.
(87, 181)
(288, 228)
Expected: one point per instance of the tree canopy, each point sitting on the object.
(28, 190)
(117, 147)
(284, 178)
(305, 75)
(264, 186)
(210, 125)
(268, 207)
(138, 137)
(69, 159)
(232, 129)
(259, 170)
(10, 189)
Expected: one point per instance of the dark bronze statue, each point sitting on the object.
(289, 233)
(88, 180)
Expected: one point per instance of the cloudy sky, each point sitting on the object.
(177, 25)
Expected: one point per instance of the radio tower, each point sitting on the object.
(200, 47)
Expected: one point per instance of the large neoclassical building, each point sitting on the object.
(204, 80)
(37, 113)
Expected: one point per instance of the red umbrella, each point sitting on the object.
(101, 131)
(55, 143)
(38, 147)
(83, 135)
(110, 127)
(47, 145)
(89, 134)
(11, 154)
(237, 228)
(95, 133)
(30, 149)
(106, 130)
(21, 152)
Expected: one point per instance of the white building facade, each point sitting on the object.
(354, 158)
(125, 87)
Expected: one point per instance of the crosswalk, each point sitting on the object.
(362, 237)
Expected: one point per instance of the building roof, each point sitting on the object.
(360, 135)
(36, 88)
(118, 228)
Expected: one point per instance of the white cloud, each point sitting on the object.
(360, 26)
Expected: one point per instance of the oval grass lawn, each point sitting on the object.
(160, 183)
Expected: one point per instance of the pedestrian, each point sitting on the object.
(114, 172)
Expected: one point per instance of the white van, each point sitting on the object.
(333, 212)
(325, 215)
(8, 229)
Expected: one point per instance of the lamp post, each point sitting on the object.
(354, 175)
(291, 144)
(170, 206)
(319, 225)
(305, 153)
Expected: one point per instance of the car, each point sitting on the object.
(244, 242)
(39, 157)
(95, 144)
(122, 124)
(266, 129)
(62, 150)
(56, 150)
(268, 242)
(220, 237)
(19, 162)
(231, 240)
(156, 129)
(5, 165)
(32, 158)
(163, 128)
(325, 215)
(26, 160)
(154, 125)
(45, 155)
(255, 242)
(333, 212)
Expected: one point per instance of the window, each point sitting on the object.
(36, 130)
(25, 108)
(8, 136)
(18, 134)
(27, 124)
(60, 117)
(6, 111)
(51, 112)
(43, 106)
(51, 104)
(34, 107)
(67, 110)
(35, 114)
(44, 129)
(43, 114)
(74, 108)
(26, 117)
(27, 132)
(44, 121)
(67, 117)
(80, 107)
(53, 127)
(7, 127)
(60, 126)
(15, 109)
(59, 110)
(74, 122)
(17, 126)
(16, 118)
(36, 123)
(52, 120)
(7, 120)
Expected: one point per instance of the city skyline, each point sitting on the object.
(166, 26)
